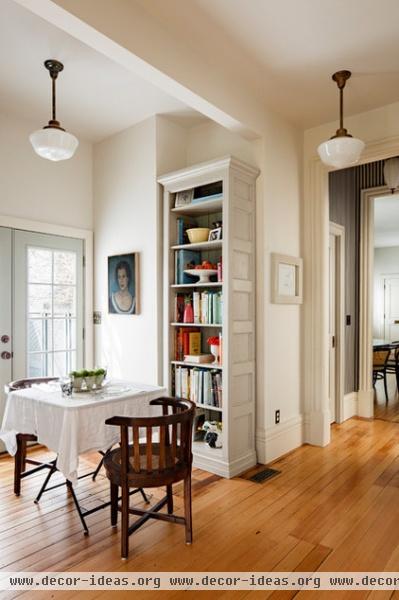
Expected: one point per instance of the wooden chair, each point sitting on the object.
(392, 365)
(20, 459)
(152, 463)
(380, 360)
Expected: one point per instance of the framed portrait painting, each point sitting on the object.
(123, 284)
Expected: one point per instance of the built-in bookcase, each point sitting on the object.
(225, 392)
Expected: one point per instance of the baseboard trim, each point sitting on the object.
(222, 468)
(275, 441)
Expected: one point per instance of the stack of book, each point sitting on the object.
(207, 307)
(202, 386)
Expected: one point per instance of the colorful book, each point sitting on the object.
(194, 345)
(179, 308)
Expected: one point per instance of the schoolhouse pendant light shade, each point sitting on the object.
(342, 150)
(391, 173)
(53, 142)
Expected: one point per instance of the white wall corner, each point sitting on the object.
(317, 428)
(275, 441)
(350, 405)
(365, 403)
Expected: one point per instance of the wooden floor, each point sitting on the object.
(383, 410)
(331, 509)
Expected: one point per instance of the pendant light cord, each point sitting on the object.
(53, 97)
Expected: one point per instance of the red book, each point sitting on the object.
(186, 341)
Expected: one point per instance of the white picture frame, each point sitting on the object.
(184, 198)
(287, 279)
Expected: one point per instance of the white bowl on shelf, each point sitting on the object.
(203, 274)
(196, 235)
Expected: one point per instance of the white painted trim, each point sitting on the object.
(83, 234)
(277, 440)
(315, 308)
(222, 468)
(338, 231)
(176, 181)
(366, 392)
(350, 408)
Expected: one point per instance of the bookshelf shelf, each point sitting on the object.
(232, 302)
(202, 208)
(197, 325)
(214, 245)
(197, 365)
(196, 285)
(202, 449)
(209, 407)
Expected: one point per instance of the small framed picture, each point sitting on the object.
(123, 284)
(286, 279)
(183, 198)
(215, 234)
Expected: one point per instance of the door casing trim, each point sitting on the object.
(338, 231)
(83, 234)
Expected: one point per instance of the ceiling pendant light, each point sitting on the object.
(342, 150)
(391, 173)
(53, 142)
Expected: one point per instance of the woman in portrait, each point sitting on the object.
(122, 301)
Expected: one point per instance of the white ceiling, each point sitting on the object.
(95, 96)
(298, 44)
(386, 221)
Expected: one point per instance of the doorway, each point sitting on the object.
(386, 303)
(42, 305)
(379, 301)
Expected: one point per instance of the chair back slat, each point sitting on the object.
(136, 449)
(149, 448)
(174, 442)
(162, 451)
(124, 450)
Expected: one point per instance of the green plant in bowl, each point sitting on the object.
(77, 379)
(100, 375)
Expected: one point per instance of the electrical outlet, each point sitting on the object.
(277, 417)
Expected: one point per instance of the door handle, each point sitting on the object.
(6, 355)
(5, 339)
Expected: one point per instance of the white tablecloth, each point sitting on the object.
(72, 426)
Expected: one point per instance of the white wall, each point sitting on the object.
(386, 262)
(125, 213)
(40, 190)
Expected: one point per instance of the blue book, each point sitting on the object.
(186, 259)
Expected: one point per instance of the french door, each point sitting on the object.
(41, 305)
(48, 304)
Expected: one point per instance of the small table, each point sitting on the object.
(74, 425)
(380, 343)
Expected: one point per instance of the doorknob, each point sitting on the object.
(5, 339)
(6, 355)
